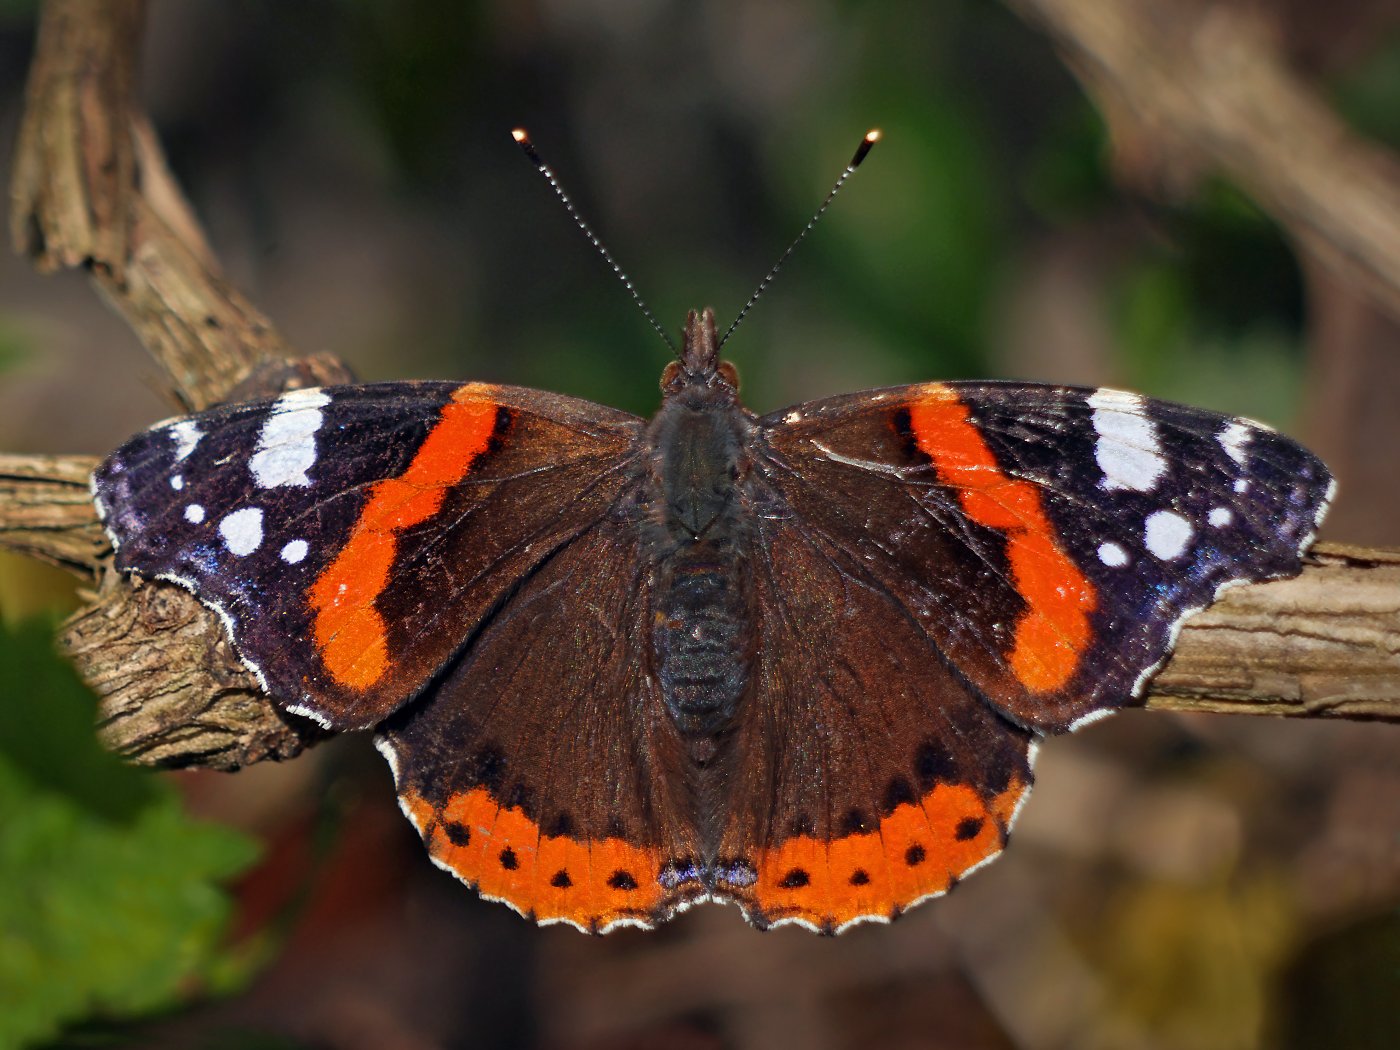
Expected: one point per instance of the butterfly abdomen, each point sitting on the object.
(698, 638)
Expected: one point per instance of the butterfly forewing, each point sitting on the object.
(1049, 540)
(354, 538)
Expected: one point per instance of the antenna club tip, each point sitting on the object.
(866, 144)
(520, 135)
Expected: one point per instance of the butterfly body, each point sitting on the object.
(700, 493)
(799, 662)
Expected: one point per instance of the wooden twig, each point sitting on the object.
(46, 512)
(1196, 86)
(91, 188)
(1324, 644)
(75, 168)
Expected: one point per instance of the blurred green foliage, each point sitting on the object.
(15, 346)
(1340, 989)
(1368, 93)
(1214, 316)
(110, 898)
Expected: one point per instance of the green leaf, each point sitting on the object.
(110, 903)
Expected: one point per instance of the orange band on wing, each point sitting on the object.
(550, 878)
(917, 851)
(1054, 631)
(350, 633)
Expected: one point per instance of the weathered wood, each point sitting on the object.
(75, 168)
(172, 692)
(91, 188)
(1324, 644)
(46, 512)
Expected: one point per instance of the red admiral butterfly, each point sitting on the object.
(798, 662)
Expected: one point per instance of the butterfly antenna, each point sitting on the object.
(523, 139)
(866, 144)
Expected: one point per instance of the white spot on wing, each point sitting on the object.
(194, 514)
(294, 551)
(286, 447)
(177, 481)
(1127, 450)
(1233, 440)
(1112, 555)
(186, 434)
(1220, 516)
(1166, 534)
(1242, 485)
(242, 531)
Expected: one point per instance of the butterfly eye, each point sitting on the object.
(671, 377)
(729, 374)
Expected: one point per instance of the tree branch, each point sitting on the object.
(1324, 644)
(46, 512)
(1188, 87)
(91, 188)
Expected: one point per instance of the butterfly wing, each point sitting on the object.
(866, 774)
(353, 538)
(545, 771)
(1049, 540)
(944, 573)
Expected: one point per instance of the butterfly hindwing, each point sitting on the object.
(866, 774)
(544, 770)
(1049, 540)
(352, 538)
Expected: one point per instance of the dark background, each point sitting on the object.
(1176, 882)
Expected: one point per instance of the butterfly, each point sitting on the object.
(798, 662)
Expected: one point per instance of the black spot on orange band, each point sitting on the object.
(909, 854)
(622, 880)
(968, 828)
(794, 879)
(590, 883)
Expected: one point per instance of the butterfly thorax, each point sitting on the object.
(698, 540)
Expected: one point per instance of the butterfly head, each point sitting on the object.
(698, 371)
